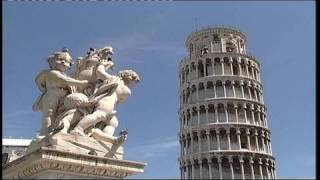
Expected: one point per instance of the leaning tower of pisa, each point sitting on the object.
(224, 132)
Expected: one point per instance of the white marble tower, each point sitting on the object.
(224, 132)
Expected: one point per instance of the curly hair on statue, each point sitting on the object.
(129, 75)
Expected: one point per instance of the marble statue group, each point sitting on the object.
(83, 103)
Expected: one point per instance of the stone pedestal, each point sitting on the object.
(48, 163)
(78, 144)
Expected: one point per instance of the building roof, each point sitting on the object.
(16, 142)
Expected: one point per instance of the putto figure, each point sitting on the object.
(54, 85)
(79, 110)
(104, 110)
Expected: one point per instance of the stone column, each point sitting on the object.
(250, 96)
(270, 146)
(236, 111)
(224, 89)
(261, 98)
(198, 115)
(260, 168)
(210, 167)
(267, 145)
(228, 138)
(189, 74)
(248, 139)
(205, 68)
(255, 94)
(200, 165)
(215, 90)
(222, 66)
(185, 146)
(241, 167)
(259, 117)
(205, 89)
(220, 167)
(181, 145)
(252, 115)
(208, 139)
(218, 138)
(188, 145)
(226, 112)
(182, 172)
(191, 139)
(251, 167)
(267, 170)
(255, 73)
(180, 121)
(242, 91)
(239, 66)
(257, 143)
(197, 71)
(197, 93)
(272, 171)
(233, 89)
(192, 169)
(199, 141)
(231, 68)
(245, 115)
(216, 113)
(268, 142)
(266, 121)
(247, 67)
(231, 166)
(187, 171)
(213, 73)
(262, 140)
(207, 116)
(239, 139)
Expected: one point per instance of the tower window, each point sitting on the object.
(205, 50)
(216, 38)
(230, 47)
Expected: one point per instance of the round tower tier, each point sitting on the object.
(224, 131)
(216, 39)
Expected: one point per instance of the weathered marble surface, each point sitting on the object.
(47, 163)
(77, 138)
(79, 109)
(80, 145)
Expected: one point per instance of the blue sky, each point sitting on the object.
(149, 38)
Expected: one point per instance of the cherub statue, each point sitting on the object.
(94, 69)
(54, 85)
(104, 109)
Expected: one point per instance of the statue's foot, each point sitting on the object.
(120, 140)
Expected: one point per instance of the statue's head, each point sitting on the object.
(103, 54)
(129, 77)
(60, 60)
(106, 53)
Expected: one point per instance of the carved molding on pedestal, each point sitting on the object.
(46, 159)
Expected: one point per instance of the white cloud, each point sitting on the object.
(155, 149)
(141, 41)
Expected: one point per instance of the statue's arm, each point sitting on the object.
(40, 81)
(67, 80)
(102, 74)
